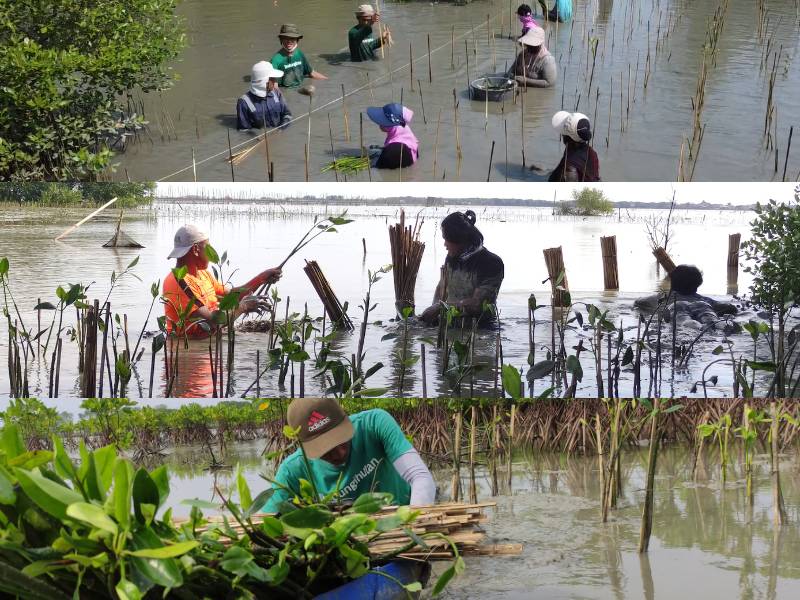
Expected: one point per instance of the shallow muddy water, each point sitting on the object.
(706, 541)
(259, 235)
(639, 97)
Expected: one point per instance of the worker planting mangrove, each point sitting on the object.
(471, 276)
(291, 60)
(525, 14)
(534, 65)
(579, 161)
(401, 147)
(360, 38)
(263, 104)
(350, 456)
(191, 287)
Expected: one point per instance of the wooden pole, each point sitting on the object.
(473, 433)
(664, 260)
(647, 513)
(554, 259)
(734, 242)
(779, 511)
(608, 246)
(82, 221)
(512, 423)
(430, 70)
(456, 483)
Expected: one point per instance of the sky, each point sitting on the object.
(737, 193)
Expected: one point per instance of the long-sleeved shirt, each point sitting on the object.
(362, 43)
(538, 69)
(254, 111)
(580, 158)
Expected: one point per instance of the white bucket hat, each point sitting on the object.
(263, 71)
(569, 124)
(186, 237)
(534, 37)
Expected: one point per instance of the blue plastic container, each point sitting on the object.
(377, 587)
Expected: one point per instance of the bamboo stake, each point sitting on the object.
(82, 221)
(647, 512)
(779, 511)
(554, 259)
(610, 273)
(430, 70)
(512, 423)
(734, 242)
(473, 431)
(456, 483)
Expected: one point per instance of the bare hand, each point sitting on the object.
(272, 275)
(253, 304)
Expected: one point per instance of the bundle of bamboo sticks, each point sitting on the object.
(458, 522)
(407, 253)
(333, 307)
(554, 259)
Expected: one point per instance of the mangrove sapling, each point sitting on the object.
(405, 360)
(720, 431)
(779, 510)
(748, 432)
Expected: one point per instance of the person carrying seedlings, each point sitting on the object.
(579, 161)
(472, 275)
(350, 455)
(688, 305)
(263, 104)
(291, 60)
(534, 65)
(401, 147)
(199, 291)
(525, 15)
(360, 39)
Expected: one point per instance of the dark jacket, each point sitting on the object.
(253, 111)
(580, 157)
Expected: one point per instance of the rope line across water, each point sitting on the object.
(260, 137)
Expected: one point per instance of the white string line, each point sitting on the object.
(260, 137)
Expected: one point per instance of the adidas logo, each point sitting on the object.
(316, 421)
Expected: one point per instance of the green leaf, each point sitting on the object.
(51, 497)
(309, 517)
(371, 502)
(132, 264)
(245, 498)
(211, 254)
(761, 365)
(145, 491)
(31, 459)
(7, 494)
(718, 350)
(104, 460)
(62, 463)
(163, 572)
(512, 382)
(180, 272)
(11, 441)
(388, 336)
(412, 588)
(230, 301)
(170, 551)
(93, 515)
(202, 504)
(627, 358)
(543, 368)
(123, 492)
(15, 582)
(3, 266)
(127, 590)
(259, 502)
(574, 367)
(161, 478)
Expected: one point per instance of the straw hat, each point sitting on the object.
(534, 37)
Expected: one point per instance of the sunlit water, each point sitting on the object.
(706, 541)
(641, 117)
(259, 235)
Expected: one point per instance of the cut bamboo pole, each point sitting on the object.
(407, 253)
(554, 259)
(473, 433)
(456, 483)
(779, 511)
(511, 425)
(610, 273)
(647, 512)
(333, 308)
(89, 373)
(82, 221)
(664, 260)
(734, 241)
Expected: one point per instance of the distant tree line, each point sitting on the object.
(73, 194)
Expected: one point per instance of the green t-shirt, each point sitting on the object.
(362, 43)
(377, 442)
(295, 67)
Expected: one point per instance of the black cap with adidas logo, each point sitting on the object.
(323, 424)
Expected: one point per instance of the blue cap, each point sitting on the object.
(390, 115)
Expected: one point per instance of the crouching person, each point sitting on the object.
(364, 452)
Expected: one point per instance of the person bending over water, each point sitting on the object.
(472, 275)
(200, 290)
(561, 11)
(360, 39)
(401, 147)
(525, 14)
(688, 304)
(534, 65)
(351, 455)
(291, 60)
(579, 161)
(263, 104)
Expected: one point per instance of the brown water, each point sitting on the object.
(226, 38)
(258, 235)
(706, 541)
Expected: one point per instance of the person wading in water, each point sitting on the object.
(534, 66)
(579, 161)
(471, 276)
(360, 39)
(291, 60)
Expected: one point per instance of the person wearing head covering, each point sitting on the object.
(579, 161)
(192, 302)
(471, 276)
(350, 455)
(263, 104)
(360, 38)
(291, 60)
(401, 147)
(534, 65)
(691, 308)
(525, 14)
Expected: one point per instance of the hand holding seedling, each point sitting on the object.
(271, 275)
